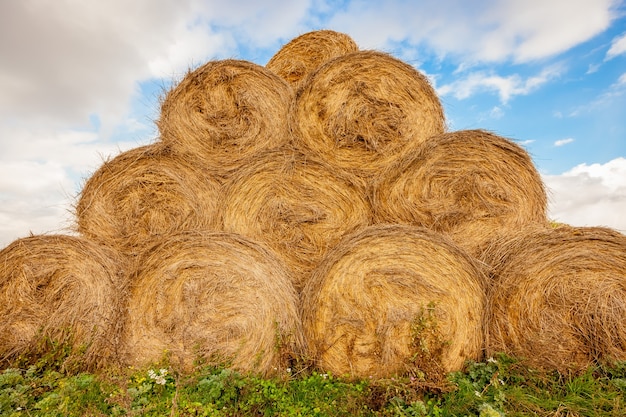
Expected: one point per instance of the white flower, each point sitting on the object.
(478, 394)
(492, 360)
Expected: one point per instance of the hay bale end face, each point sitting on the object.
(469, 184)
(558, 297)
(394, 299)
(297, 206)
(305, 53)
(146, 192)
(61, 289)
(225, 112)
(361, 110)
(218, 298)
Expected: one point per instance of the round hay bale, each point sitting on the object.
(470, 184)
(303, 54)
(225, 112)
(297, 206)
(217, 297)
(146, 192)
(393, 299)
(61, 290)
(558, 297)
(361, 110)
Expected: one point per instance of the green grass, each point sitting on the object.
(496, 387)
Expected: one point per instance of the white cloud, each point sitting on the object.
(481, 30)
(562, 142)
(506, 87)
(590, 195)
(618, 47)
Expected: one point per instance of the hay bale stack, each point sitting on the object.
(61, 289)
(305, 53)
(146, 192)
(394, 299)
(217, 297)
(470, 184)
(225, 112)
(297, 206)
(558, 297)
(361, 110)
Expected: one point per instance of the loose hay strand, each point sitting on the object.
(61, 289)
(214, 297)
(302, 55)
(394, 299)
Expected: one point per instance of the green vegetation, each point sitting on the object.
(499, 386)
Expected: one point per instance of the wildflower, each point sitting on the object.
(492, 360)
(158, 378)
(288, 370)
(478, 394)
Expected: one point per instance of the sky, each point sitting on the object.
(81, 80)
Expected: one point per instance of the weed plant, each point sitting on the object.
(499, 386)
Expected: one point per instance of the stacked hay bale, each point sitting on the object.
(319, 201)
(558, 297)
(394, 299)
(298, 206)
(471, 185)
(145, 193)
(61, 289)
(213, 296)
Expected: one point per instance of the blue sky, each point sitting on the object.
(81, 81)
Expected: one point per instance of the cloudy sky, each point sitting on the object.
(80, 81)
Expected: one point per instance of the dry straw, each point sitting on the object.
(305, 53)
(225, 112)
(296, 205)
(558, 297)
(60, 289)
(394, 299)
(213, 297)
(146, 192)
(361, 110)
(470, 184)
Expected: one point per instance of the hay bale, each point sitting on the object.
(394, 299)
(146, 192)
(558, 297)
(216, 297)
(58, 289)
(225, 112)
(361, 110)
(297, 206)
(470, 184)
(303, 54)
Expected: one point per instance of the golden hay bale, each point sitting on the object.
(145, 192)
(303, 54)
(225, 112)
(361, 110)
(558, 297)
(470, 184)
(297, 206)
(61, 289)
(216, 297)
(394, 299)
